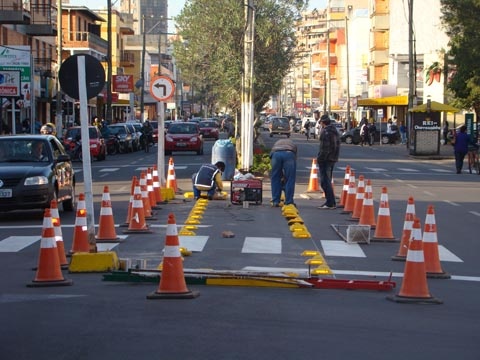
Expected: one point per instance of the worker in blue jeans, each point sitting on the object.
(283, 159)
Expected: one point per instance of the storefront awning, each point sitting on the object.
(401, 100)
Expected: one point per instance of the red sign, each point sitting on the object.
(122, 83)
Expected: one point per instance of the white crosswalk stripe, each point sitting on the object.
(251, 245)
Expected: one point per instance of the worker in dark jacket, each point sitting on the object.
(460, 146)
(284, 166)
(208, 178)
(327, 157)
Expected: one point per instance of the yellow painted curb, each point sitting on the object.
(94, 262)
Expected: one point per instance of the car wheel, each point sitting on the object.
(348, 140)
(69, 205)
(385, 139)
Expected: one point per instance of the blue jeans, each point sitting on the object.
(197, 193)
(284, 164)
(459, 157)
(326, 173)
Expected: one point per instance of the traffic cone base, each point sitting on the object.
(414, 300)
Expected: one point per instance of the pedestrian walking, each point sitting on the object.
(283, 159)
(403, 133)
(445, 131)
(460, 143)
(328, 154)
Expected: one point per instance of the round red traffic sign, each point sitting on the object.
(162, 88)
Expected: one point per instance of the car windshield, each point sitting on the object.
(207, 124)
(73, 133)
(117, 130)
(23, 150)
(182, 128)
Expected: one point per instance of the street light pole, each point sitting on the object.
(108, 112)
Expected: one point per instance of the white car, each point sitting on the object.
(312, 125)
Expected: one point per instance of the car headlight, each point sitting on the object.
(36, 180)
(168, 138)
(194, 139)
(93, 146)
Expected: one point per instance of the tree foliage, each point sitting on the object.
(461, 21)
(210, 54)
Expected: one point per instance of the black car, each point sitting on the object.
(352, 136)
(34, 169)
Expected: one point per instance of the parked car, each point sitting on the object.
(297, 126)
(124, 136)
(30, 182)
(280, 126)
(352, 136)
(183, 136)
(209, 129)
(98, 147)
(136, 143)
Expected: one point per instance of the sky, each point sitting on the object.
(174, 6)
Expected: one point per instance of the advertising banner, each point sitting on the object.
(9, 83)
(18, 58)
(122, 83)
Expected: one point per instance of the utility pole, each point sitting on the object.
(411, 72)
(108, 112)
(58, 110)
(348, 74)
(142, 75)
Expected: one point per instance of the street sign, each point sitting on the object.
(162, 88)
(94, 76)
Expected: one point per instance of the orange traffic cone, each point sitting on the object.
(383, 231)
(430, 247)
(171, 179)
(80, 235)
(351, 195)
(147, 208)
(49, 272)
(172, 280)
(346, 183)
(106, 224)
(357, 208)
(313, 183)
(414, 286)
(157, 186)
(367, 216)
(58, 233)
(151, 192)
(130, 202)
(407, 231)
(137, 220)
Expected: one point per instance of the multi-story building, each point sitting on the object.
(28, 32)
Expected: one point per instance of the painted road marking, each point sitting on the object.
(341, 248)
(17, 243)
(301, 271)
(408, 170)
(102, 247)
(441, 170)
(109, 169)
(446, 255)
(193, 243)
(262, 245)
(376, 169)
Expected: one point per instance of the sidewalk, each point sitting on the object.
(445, 151)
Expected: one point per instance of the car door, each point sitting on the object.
(63, 170)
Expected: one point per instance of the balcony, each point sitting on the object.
(127, 59)
(43, 21)
(13, 12)
(83, 40)
(379, 57)
(380, 22)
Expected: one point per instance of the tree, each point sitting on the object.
(461, 21)
(210, 54)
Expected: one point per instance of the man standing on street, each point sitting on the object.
(284, 165)
(327, 157)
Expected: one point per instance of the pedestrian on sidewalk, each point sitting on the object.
(283, 159)
(460, 143)
(327, 157)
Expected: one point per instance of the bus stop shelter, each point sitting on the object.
(424, 131)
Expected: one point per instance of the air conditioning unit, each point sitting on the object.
(120, 70)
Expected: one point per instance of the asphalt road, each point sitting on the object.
(95, 319)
